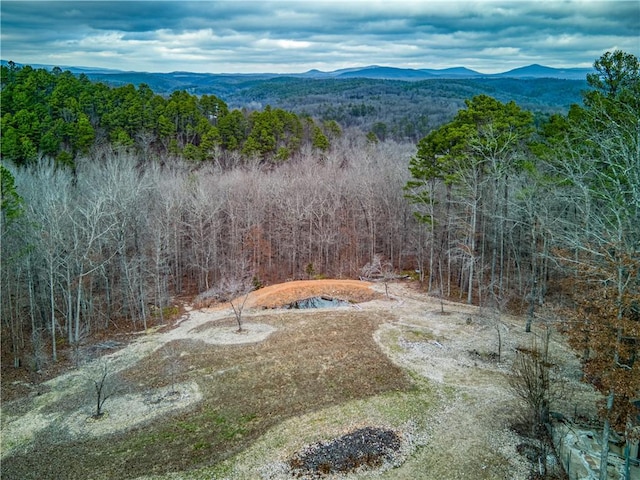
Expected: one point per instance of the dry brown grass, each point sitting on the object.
(301, 377)
(313, 360)
(281, 294)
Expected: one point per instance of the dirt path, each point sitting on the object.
(456, 350)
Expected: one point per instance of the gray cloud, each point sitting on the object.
(294, 36)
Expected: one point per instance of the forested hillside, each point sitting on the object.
(402, 110)
(390, 107)
(117, 200)
(56, 115)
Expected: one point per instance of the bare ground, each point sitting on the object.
(455, 420)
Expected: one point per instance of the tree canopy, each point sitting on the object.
(54, 114)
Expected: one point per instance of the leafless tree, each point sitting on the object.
(238, 306)
(173, 365)
(534, 380)
(104, 389)
(530, 379)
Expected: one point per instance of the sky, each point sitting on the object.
(295, 36)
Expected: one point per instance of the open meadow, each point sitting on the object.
(197, 399)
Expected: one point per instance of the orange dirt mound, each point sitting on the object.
(282, 294)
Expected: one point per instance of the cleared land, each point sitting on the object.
(200, 400)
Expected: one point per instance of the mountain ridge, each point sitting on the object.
(378, 72)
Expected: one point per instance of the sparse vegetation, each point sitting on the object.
(238, 307)
(103, 390)
(282, 381)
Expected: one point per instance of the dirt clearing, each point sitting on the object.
(208, 402)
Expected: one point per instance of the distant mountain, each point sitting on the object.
(74, 70)
(375, 72)
(540, 71)
(315, 73)
(457, 72)
(378, 72)
(387, 73)
(408, 74)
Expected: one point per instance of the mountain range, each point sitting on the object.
(371, 72)
(408, 74)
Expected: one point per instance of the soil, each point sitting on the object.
(275, 296)
(452, 345)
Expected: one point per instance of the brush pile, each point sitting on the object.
(362, 449)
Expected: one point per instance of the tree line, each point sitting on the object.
(55, 114)
(119, 239)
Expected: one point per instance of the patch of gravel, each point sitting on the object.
(121, 413)
(475, 400)
(125, 411)
(506, 442)
(22, 431)
(225, 335)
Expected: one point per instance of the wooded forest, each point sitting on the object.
(117, 200)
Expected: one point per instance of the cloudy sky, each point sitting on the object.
(243, 36)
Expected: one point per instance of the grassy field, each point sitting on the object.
(312, 362)
(201, 401)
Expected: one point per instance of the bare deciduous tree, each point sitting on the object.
(104, 389)
(531, 381)
(238, 303)
(173, 365)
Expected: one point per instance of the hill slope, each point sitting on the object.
(403, 104)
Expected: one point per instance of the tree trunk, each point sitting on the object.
(627, 460)
(532, 298)
(54, 353)
(69, 313)
(606, 430)
(472, 246)
(76, 336)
